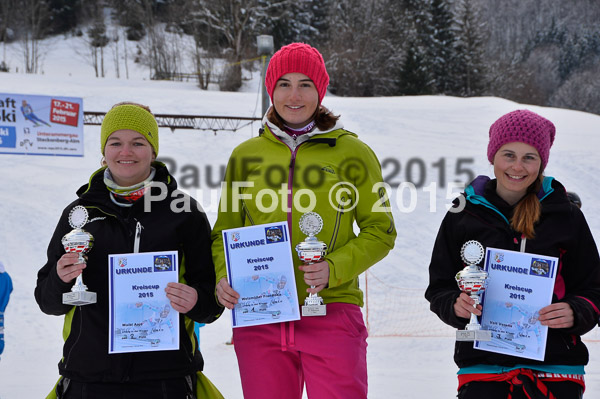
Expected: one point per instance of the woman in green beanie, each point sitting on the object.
(121, 222)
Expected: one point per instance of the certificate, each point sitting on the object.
(140, 315)
(519, 285)
(260, 268)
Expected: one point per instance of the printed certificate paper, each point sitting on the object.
(519, 285)
(140, 315)
(260, 268)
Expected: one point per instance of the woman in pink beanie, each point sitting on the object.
(306, 162)
(520, 210)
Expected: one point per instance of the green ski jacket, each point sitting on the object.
(276, 178)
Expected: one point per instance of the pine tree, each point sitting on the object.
(440, 46)
(579, 51)
(7, 10)
(64, 15)
(433, 42)
(131, 15)
(414, 78)
(302, 21)
(468, 64)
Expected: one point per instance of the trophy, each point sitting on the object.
(79, 241)
(312, 251)
(472, 280)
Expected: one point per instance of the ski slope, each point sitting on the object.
(428, 140)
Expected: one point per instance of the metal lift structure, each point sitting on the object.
(198, 122)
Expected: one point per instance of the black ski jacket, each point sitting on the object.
(562, 232)
(173, 223)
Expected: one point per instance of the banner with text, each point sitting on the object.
(41, 125)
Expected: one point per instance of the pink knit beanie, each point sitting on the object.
(525, 127)
(298, 57)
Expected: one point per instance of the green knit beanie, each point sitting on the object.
(130, 117)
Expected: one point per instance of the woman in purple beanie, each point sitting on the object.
(525, 211)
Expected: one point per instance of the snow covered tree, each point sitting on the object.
(365, 47)
(468, 63)
(439, 46)
(232, 24)
(302, 21)
(32, 19)
(131, 15)
(162, 51)
(349, 55)
(432, 40)
(580, 91)
(7, 9)
(413, 78)
(96, 42)
(64, 15)
(577, 51)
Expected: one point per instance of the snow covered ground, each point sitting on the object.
(434, 139)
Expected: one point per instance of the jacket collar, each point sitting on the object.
(474, 193)
(478, 186)
(280, 135)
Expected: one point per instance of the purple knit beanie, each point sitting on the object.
(525, 127)
(298, 57)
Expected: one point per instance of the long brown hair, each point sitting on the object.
(324, 119)
(528, 211)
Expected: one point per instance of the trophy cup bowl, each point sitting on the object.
(310, 251)
(472, 280)
(78, 241)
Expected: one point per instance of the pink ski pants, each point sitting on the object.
(328, 353)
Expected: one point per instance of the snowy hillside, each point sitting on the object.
(433, 139)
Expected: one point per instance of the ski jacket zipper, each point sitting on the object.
(338, 220)
(290, 179)
(138, 236)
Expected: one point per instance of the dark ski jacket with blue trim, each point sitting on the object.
(562, 232)
(164, 228)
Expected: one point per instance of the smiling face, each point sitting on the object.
(516, 166)
(128, 155)
(295, 99)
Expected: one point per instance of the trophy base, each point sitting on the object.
(314, 310)
(473, 335)
(79, 298)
